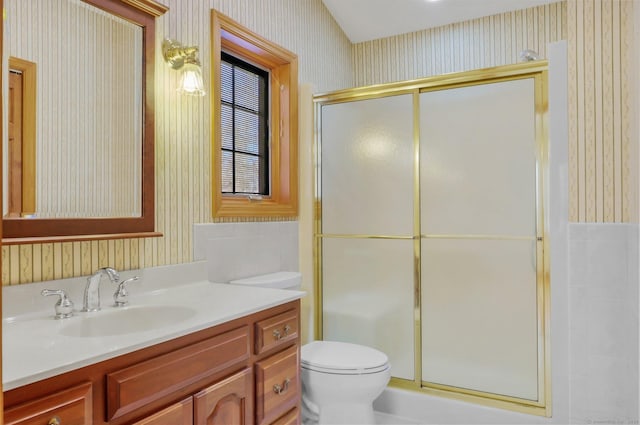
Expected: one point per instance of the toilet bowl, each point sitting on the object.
(340, 380)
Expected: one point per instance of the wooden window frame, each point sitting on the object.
(231, 37)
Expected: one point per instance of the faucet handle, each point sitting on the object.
(64, 306)
(121, 294)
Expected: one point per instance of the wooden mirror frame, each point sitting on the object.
(33, 230)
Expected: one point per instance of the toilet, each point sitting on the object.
(340, 380)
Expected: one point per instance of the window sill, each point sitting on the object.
(242, 206)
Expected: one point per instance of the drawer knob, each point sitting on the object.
(285, 332)
(279, 389)
(54, 421)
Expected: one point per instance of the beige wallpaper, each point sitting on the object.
(89, 115)
(480, 43)
(600, 37)
(599, 33)
(183, 134)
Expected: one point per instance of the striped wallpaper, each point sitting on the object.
(600, 37)
(602, 186)
(183, 134)
(599, 33)
(88, 112)
(479, 43)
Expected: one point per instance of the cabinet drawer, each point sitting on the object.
(180, 413)
(277, 385)
(276, 330)
(151, 380)
(290, 418)
(71, 407)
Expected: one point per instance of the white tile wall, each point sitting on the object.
(603, 321)
(237, 250)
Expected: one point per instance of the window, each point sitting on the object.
(254, 106)
(244, 112)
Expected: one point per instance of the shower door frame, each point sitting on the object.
(536, 70)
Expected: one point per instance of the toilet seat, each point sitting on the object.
(342, 358)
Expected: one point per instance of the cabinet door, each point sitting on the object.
(180, 413)
(229, 401)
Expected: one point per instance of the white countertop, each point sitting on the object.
(35, 347)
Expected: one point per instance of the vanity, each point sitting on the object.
(192, 353)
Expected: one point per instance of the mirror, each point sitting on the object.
(84, 165)
(85, 92)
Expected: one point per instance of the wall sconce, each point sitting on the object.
(183, 58)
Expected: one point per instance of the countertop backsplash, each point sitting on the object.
(239, 250)
(18, 300)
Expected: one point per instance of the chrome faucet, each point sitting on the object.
(92, 290)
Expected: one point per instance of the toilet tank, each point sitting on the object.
(279, 280)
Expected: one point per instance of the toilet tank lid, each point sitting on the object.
(280, 280)
(342, 356)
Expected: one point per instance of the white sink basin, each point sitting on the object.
(126, 320)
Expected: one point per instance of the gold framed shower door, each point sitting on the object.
(538, 72)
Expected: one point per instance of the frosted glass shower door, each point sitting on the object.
(368, 297)
(367, 167)
(478, 185)
(366, 193)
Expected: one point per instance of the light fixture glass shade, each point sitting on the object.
(191, 80)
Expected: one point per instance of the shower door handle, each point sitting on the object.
(534, 253)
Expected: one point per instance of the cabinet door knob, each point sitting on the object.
(285, 332)
(279, 389)
(54, 421)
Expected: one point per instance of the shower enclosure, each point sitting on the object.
(430, 240)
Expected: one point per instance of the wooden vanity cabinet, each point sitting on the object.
(225, 374)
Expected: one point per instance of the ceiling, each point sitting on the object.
(363, 20)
